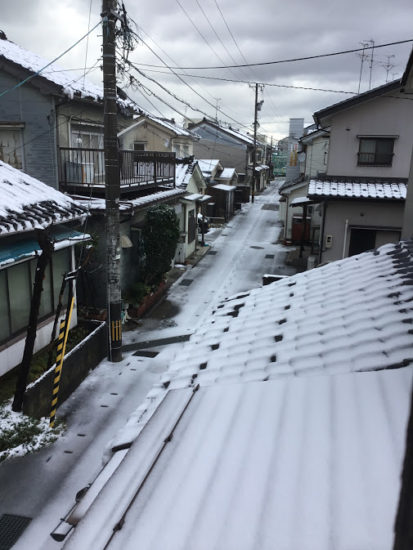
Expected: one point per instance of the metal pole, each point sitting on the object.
(112, 181)
(46, 246)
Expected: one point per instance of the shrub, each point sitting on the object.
(161, 235)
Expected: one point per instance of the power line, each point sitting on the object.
(249, 82)
(4, 92)
(292, 60)
(166, 54)
(184, 82)
(198, 31)
(168, 91)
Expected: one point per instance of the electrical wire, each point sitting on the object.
(184, 82)
(87, 41)
(292, 60)
(250, 82)
(199, 32)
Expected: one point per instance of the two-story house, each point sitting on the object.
(363, 192)
(149, 133)
(52, 113)
(233, 148)
(300, 217)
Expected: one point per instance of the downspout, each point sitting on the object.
(320, 253)
(287, 206)
(345, 239)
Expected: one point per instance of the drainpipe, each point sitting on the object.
(345, 239)
(287, 206)
(323, 223)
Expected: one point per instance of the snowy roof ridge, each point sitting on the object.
(356, 189)
(26, 203)
(71, 87)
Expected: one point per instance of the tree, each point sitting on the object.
(161, 235)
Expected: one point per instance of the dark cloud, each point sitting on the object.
(264, 31)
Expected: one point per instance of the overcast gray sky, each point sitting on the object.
(197, 33)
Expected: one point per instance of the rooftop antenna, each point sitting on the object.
(217, 100)
(371, 41)
(363, 56)
(388, 66)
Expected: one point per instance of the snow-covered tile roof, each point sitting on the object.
(207, 166)
(26, 203)
(227, 174)
(348, 316)
(183, 174)
(357, 190)
(71, 85)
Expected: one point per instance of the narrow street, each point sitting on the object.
(43, 486)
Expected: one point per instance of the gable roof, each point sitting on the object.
(207, 166)
(286, 409)
(68, 85)
(356, 100)
(167, 125)
(357, 190)
(240, 136)
(27, 204)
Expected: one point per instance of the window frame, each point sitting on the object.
(28, 265)
(387, 158)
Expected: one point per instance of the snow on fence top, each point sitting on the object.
(26, 203)
(72, 86)
(356, 190)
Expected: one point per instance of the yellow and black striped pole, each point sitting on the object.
(61, 348)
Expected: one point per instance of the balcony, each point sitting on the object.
(82, 171)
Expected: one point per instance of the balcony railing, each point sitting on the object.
(85, 168)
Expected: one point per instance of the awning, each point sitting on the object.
(224, 187)
(21, 247)
(197, 197)
(301, 201)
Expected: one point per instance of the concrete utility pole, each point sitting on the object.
(254, 153)
(112, 181)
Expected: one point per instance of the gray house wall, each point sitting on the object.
(385, 216)
(37, 111)
(217, 145)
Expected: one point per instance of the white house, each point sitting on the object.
(363, 192)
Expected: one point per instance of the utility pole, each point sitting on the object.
(112, 182)
(254, 153)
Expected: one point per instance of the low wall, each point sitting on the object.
(76, 366)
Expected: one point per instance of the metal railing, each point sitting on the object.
(80, 168)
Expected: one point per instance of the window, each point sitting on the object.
(139, 146)
(11, 146)
(16, 286)
(375, 151)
